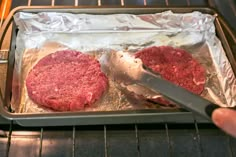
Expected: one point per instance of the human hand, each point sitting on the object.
(225, 119)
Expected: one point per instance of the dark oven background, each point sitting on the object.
(159, 140)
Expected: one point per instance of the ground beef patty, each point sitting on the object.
(175, 65)
(66, 81)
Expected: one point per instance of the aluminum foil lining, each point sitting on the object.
(46, 32)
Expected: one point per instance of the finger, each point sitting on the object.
(226, 120)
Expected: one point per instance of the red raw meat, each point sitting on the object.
(175, 65)
(66, 81)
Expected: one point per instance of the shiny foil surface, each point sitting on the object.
(47, 32)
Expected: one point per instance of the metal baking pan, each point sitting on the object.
(111, 117)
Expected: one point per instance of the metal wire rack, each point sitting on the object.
(113, 140)
(119, 140)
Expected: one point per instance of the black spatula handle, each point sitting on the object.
(211, 107)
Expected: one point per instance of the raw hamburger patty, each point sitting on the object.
(175, 65)
(66, 81)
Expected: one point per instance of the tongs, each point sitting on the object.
(124, 68)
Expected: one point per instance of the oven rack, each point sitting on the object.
(227, 7)
(167, 140)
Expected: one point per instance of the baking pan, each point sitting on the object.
(111, 117)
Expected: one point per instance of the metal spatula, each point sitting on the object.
(126, 69)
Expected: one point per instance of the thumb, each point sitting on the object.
(226, 120)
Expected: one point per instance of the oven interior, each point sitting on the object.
(158, 139)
